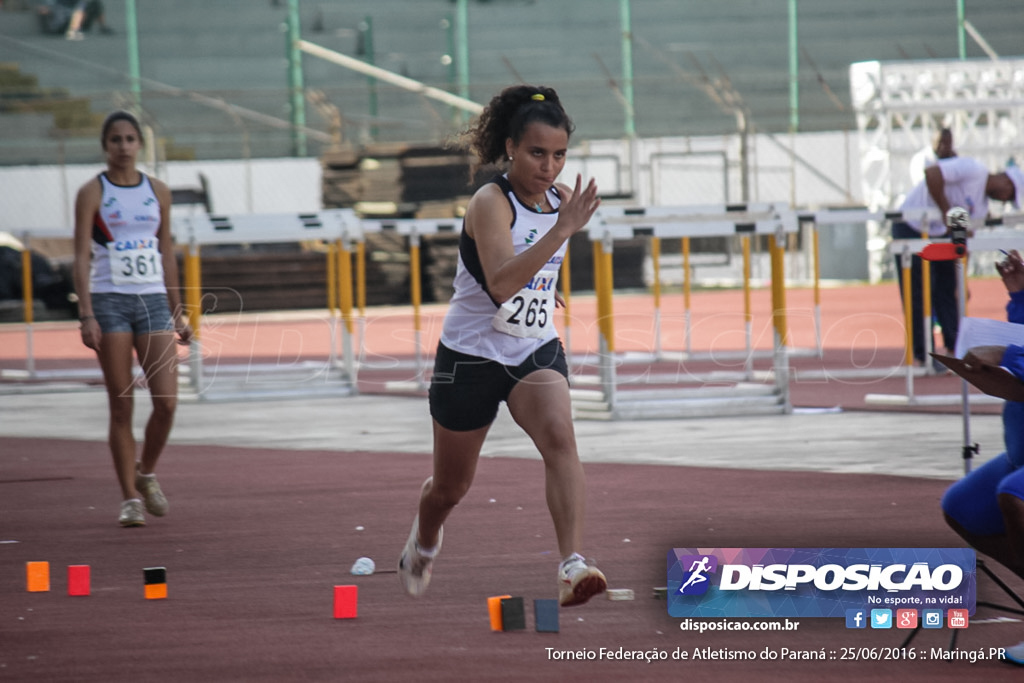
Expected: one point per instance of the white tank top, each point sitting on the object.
(125, 245)
(526, 320)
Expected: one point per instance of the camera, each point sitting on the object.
(959, 222)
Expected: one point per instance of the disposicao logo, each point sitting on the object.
(696, 581)
(817, 582)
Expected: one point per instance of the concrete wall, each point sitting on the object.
(41, 198)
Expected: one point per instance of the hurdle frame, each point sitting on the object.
(992, 240)
(414, 229)
(335, 228)
(612, 223)
(71, 380)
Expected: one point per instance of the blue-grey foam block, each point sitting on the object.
(546, 613)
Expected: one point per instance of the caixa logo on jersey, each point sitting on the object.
(816, 582)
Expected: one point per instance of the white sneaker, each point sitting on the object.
(1015, 654)
(415, 568)
(131, 513)
(578, 582)
(156, 502)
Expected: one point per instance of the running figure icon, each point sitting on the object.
(697, 571)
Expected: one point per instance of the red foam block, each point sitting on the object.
(346, 602)
(78, 579)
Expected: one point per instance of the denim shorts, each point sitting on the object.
(466, 391)
(135, 313)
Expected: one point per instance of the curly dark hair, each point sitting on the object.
(114, 117)
(509, 113)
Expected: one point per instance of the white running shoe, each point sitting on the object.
(1015, 654)
(414, 567)
(131, 513)
(156, 502)
(578, 582)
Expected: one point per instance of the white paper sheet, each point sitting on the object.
(987, 332)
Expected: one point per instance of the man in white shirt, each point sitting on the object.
(954, 181)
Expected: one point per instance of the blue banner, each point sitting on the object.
(818, 582)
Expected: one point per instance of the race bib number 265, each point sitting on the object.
(530, 313)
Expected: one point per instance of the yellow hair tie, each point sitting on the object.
(537, 96)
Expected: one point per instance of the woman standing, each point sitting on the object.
(499, 342)
(126, 278)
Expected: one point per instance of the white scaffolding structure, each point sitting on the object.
(901, 106)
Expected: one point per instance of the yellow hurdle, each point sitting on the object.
(748, 315)
(817, 290)
(778, 252)
(686, 291)
(748, 311)
(817, 267)
(603, 287)
(26, 282)
(342, 286)
(332, 279)
(416, 285)
(607, 277)
(908, 313)
(193, 287)
(417, 299)
(566, 278)
(656, 264)
(595, 246)
(361, 277)
(344, 271)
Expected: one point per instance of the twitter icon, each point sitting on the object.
(881, 618)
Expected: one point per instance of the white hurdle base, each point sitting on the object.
(264, 381)
(741, 399)
(406, 386)
(931, 400)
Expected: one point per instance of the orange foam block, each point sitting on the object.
(346, 602)
(38, 575)
(494, 609)
(156, 582)
(156, 591)
(78, 579)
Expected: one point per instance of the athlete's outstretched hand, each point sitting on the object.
(1012, 271)
(577, 209)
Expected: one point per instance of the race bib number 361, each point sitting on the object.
(135, 262)
(530, 313)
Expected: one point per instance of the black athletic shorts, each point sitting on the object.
(465, 390)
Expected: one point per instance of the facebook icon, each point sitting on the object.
(856, 618)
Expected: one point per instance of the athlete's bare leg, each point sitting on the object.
(541, 405)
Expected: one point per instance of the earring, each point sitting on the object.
(510, 158)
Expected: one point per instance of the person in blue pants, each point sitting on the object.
(986, 507)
